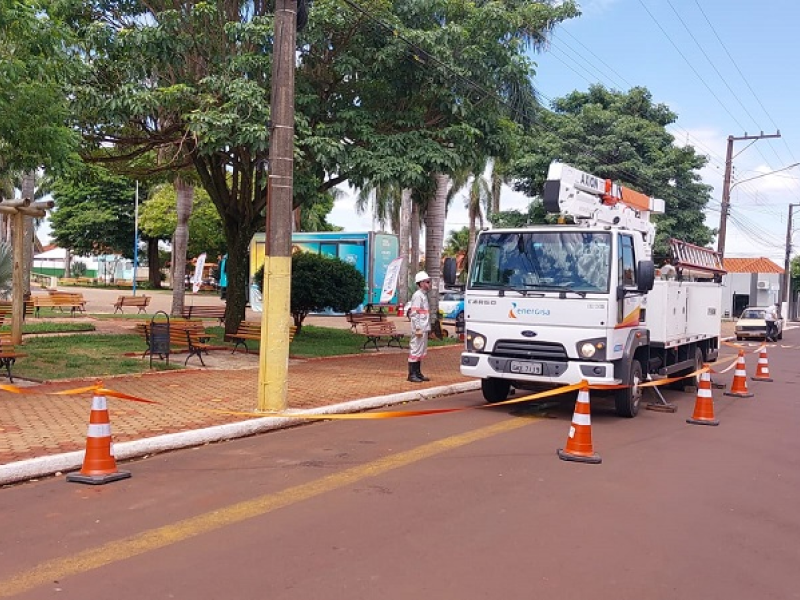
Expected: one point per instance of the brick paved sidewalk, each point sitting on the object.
(37, 424)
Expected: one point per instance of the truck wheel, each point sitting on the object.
(626, 401)
(495, 390)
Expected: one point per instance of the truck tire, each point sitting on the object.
(627, 400)
(495, 390)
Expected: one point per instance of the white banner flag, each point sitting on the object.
(197, 278)
(390, 281)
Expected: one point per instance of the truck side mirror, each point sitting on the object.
(645, 275)
(449, 271)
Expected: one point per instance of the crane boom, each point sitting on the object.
(593, 201)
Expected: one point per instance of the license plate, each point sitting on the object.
(526, 367)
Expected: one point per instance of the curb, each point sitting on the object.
(50, 465)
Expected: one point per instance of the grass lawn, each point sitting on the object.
(98, 355)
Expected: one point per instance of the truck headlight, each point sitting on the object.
(592, 349)
(479, 342)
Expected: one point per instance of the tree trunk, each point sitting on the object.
(413, 266)
(67, 263)
(497, 188)
(185, 195)
(153, 264)
(405, 267)
(238, 270)
(28, 191)
(434, 240)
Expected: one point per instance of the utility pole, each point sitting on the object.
(786, 292)
(726, 185)
(274, 347)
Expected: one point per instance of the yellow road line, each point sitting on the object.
(167, 535)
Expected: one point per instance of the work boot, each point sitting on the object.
(419, 372)
(412, 373)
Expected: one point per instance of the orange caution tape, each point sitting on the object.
(396, 414)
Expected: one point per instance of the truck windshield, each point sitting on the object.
(542, 260)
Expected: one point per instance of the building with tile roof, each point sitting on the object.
(754, 281)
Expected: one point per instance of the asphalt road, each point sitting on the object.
(467, 505)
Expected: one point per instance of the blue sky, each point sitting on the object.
(725, 67)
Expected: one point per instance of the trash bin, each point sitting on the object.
(159, 337)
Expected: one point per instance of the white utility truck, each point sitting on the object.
(558, 304)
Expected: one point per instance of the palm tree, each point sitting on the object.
(479, 199)
(434, 241)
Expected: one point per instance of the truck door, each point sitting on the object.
(628, 305)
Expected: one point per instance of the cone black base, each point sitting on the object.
(739, 394)
(98, 479)
(594, 459)
(761, 378)
(712, 422)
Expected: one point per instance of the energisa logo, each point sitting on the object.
(517, 311)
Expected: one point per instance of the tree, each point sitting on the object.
(535, 214)
(457, 242)
(623, 137)
(370, 104)
(34, 68)
(94, 212)
(158, 218)
(320, 282)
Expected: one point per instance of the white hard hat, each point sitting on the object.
(421, 276)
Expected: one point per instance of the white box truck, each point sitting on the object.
(580, 301)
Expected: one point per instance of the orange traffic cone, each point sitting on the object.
(704, 405)
(399, 310)
(739, 386)
(762, 369)
(99, 465)
(579, 442)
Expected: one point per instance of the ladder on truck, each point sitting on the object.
(692, 258)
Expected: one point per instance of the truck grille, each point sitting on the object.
(543, 351)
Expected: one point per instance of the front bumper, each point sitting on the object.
(752, 333)
(484, 366)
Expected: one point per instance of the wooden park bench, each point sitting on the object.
(8, 354)
(204, 312)
(380, 331)
(356, 319)
(59, 300)
(183, 335)
(139, 302)
(251, 330)
(5, 310)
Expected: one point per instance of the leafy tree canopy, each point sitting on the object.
(94, 212)
(622, 136)
(34, 67)
(535, 214)
(158, 217)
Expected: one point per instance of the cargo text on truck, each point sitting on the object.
(558, 304)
